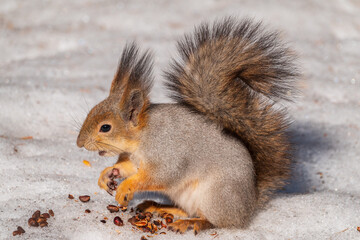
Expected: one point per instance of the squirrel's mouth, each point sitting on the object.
(102, 153)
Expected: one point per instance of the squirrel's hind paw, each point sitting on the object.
(197, 224)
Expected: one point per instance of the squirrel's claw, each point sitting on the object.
(107, 179)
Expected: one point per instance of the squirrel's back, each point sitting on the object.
(233, 73)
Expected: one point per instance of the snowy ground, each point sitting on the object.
(57, 60)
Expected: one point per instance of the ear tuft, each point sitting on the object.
(134, 71)
(133, 107)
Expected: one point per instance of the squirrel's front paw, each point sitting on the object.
(124, 194)
(107, 179)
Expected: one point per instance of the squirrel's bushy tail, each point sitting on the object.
(234, 72)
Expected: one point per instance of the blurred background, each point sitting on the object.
(57, 60)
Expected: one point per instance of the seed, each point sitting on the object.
(43, 224)
(123, 208)
(87, 211)
(20, 229)
(41, 219)
(16, 233)
(51, 212)
(113, 208)
(118, 221)
(36, 214)
(71, 196)
(45, 215)
(141, 223)
(103, 221)
(84, 198)
(32, 222)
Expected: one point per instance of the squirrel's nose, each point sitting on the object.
(80, 142)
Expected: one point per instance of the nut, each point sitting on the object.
(84, 198)
(51, 212)
(32, 222)
(118, 221)
(87, 211)
(71, 196)
(36, 214)
(112, 208)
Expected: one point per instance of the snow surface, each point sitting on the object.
(57, 60)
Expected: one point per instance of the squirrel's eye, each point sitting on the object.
(105, 128)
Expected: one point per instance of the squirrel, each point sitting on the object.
(222, 149)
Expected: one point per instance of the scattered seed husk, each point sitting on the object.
(118, 221)
(87, 211)
(51, 212)
(15, 233)
(141, 216)
(163, 233)
(32, 222)
(70, 196)
(112, 208)
(45, 215)
(143, 238)
(132, 220)
(123, 208)
(157, 222)
(358, 228)
(103, 221)
(141, 223)
(84, 198)
(169, 218)
(20, 229)
(36, 214)
(41, 219)
(43, 224)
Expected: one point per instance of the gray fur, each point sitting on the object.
(185, 147)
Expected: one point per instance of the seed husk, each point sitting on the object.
(20, 229)
(132, 220)
(157, 222)
(45, 215)
(141, 223)
(43, 224)
(32, 222)
(15, 233)
(51, 212)
(163, 233)
(143, 238)
(36, 214)
(112, 208)
(87, 211)
(84, 198)
(103, 221)
(41, 219)
(71, 196)
(118, 221)
(169, 218)
(123, 208)
(141, 216)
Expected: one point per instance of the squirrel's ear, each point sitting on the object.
(127, 61)
(133, 106)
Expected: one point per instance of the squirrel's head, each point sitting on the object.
(113, 126)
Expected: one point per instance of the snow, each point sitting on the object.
(57, 61)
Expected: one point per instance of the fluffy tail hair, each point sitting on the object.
(234, 72)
